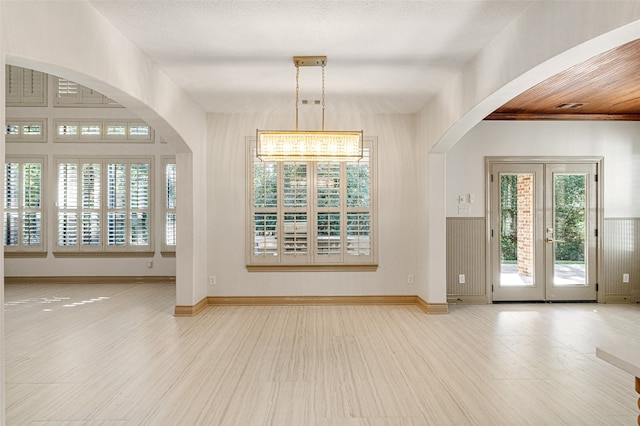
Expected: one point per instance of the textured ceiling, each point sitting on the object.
(382, 56)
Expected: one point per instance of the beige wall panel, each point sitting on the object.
(621, 256)
(466, 255)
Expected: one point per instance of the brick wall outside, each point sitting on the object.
(525, 224)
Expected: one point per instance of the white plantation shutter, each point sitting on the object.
(328, 219)
(121, 131)
(104, 204)
(11, 195)
(67, 92)
(13, 84)
(31, 204)
(11, 185)
(312, 213)
(90, 96)
(358, 207)
(170, 204)
(139, 204)
(67, 88)
(22, 130)
(67, 204)
(264, 218)
(91, 203)
(295, 190)
(25, 87)
(34, 87)
(23, 204)
(70, 93)
(117, 204)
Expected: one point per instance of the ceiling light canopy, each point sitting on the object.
(300, 145)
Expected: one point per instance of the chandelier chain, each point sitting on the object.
(297, 91)
(323, 64)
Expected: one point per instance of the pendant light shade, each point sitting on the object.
(297, 145)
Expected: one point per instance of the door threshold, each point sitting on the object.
(496, 302)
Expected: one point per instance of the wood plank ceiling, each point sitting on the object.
(605, 87)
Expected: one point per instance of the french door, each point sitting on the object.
(543, 220)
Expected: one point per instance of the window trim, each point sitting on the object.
(311, 261)
(103, 247)
(20, 249)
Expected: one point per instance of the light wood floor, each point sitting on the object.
(115, 355)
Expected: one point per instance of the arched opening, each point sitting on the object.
(75, 125)
(480, 139)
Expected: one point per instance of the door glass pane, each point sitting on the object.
(569, 217)
(517, 242)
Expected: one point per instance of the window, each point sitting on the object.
(25, 130)
(170, 204)
(23, 226)
(312, 213)
(69, 130)
(104, 204)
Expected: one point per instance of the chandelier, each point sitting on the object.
(300, 145)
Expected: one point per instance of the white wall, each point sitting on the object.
(548, 37)
(52, 266)
(118, 69)
(617, 142)
(397, 192)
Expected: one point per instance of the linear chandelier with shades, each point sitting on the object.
(302, 145)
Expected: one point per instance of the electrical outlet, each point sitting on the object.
(461, 279)
(150, 264)
(410, 279)
(212, 280)
(625, 278)
(464, 210)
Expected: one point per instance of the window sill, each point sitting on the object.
(24, 254)
(168, 253)
(313, 268)
(89, 254)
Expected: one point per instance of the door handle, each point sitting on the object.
(549, 240)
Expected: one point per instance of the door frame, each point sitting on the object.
(489, 161)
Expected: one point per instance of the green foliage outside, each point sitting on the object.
(265, 191)
(570, 200)
(569, 217)
(509, 218)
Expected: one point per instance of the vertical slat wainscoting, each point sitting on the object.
(621, 247)
(466, 255)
